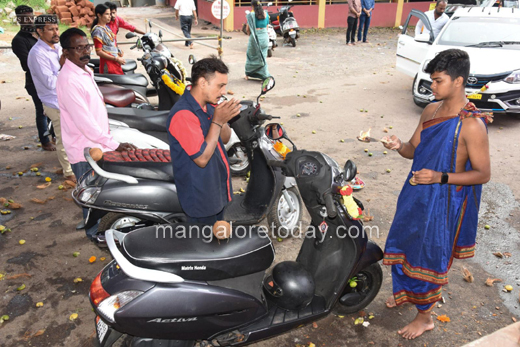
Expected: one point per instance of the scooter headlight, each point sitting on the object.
(108, 307)
(89, 195)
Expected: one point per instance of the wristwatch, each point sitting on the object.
(444, 178)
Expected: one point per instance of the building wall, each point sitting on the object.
(335, 15)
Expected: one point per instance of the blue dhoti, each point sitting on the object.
(433, 223)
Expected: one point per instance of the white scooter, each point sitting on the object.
(272, 40)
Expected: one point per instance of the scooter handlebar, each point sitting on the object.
(332, 212)
(133, 46)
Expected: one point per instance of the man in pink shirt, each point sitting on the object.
(84, 119)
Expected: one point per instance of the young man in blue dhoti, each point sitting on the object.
(437, 211)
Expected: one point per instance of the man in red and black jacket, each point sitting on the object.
(117, 22)
(197, 131)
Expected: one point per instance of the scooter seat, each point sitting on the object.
(140, 119)
(154, 164)
(135, 79)
(116, 95)
(197, 255)
(130, 65)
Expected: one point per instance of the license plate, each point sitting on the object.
(475, 96)
(102, 329)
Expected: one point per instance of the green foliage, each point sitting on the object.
(32, 3)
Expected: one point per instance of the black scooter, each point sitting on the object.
(163, 289)
(141, 191)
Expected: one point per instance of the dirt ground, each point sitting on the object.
(327, 84)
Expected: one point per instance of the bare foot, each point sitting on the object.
(390, 302)
(349, 44)
(49, 146)
(422, 322)
(246, 78)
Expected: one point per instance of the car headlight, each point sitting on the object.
(514, 77)
(108, 307)
(89, 195)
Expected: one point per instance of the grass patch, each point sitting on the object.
(31, 3)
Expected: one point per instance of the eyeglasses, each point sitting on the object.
(81, 48)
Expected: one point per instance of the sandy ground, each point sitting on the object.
(327, 84)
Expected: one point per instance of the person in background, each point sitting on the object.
(437, 18)
(354, 11)
(186, 10)
(256, 62)
(110, 56)
(84, 118)
(22, 43)
(44, 63)
(117, 22)
(367, 6)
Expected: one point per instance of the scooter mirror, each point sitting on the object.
(191, 59)
(150, 24)
(267, 85)
(160, 33)
(129, 35)
(275, 131)
(349, 170)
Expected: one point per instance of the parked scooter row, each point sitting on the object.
(174, 289)
(127, 195)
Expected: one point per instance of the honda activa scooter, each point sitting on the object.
(139, 189)
(272, 40)
(167, 288)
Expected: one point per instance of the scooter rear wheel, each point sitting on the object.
(269, 53)
(292, 41)
(369, 282)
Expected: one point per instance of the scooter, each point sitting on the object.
(285, 24)
(272, 40)
(165, 288)
(140, 190)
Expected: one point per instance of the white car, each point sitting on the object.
(491, 36)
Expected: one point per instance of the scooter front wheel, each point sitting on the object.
(284, 219)
(131, 341)
(118, 221)
(269, 53)
(238, 153)
(368, 282)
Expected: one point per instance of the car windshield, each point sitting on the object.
(482, 32)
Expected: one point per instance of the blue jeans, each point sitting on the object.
(186, 27)
(210, 220)
(41, 119)
(364, 23)
(79, 169)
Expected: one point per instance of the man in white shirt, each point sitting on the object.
(437, 17)
(186, 9)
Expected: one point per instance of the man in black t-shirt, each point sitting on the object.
(22, 44)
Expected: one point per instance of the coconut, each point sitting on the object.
(96, 153)
(222, 230)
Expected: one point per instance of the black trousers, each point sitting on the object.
(351, 29)
(41, 119)
(186, 27)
